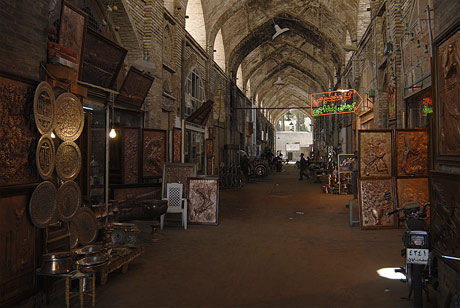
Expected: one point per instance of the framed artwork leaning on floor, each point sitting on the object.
(203, 200)
(178, 173)
(376, 199)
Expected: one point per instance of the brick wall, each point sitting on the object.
(24, 30)
(445, 14)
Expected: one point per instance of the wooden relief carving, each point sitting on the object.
(177, 144)
(17, 244)
(412, 153)
(445, 214)
(153, 152)
(17, 133)
(203, 200)
(376, 199)
(375, 153)
(413, 190)
(448, 62)
(178, 173)
(130, 150)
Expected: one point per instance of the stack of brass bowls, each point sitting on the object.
(56, 263)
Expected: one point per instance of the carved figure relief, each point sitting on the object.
(153, 153)
(130, 155)
(375, 152)
(412, 153)
(17, 133)
(203, 200)
(449, 99)
(376, 198)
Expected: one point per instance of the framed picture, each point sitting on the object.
(101, 60)
(153, 152)
(376, 198)
(375, 153)
(72, 29)
(203, 200)
(177, 145)
(130, 137)
(412, 190)
(345, 162)
(18, 145)
(447, 80)
(411, 152)
(445, 209)
(135, 88)
(178, 173)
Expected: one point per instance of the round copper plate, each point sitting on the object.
(86, 224)
(68, 200)
(73, 231)
(44, 108)
(45, 157)
(70, 118)
(42, 204)
(68, 161)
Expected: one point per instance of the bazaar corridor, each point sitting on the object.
(263, 254)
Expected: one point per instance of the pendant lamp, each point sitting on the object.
(279, 31)
(279, 82)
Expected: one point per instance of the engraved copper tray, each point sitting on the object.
(68, 200)
(42, 204)
(70, 117)
(45, 157)
(86, 224)
(68, 161)
(44, 108)
(73, 232)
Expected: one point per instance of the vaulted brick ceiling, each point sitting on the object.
(306, 58)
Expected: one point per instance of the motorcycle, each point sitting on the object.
(416, 251)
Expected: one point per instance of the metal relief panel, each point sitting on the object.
(177, 144)
(203, 200)
(375, 150)
(178, 173)
(130, 155)
(153, 152)
(376, 199)
(412, 153)
(70, 117)
(45, 157)
(17, 133)
(413, 190)
(44, 108)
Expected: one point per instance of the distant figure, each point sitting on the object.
(303, 167)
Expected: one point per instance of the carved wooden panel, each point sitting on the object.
(375, 149)
(445, 214)
(448, 80)
(177, 145)
(18, 135)
(153, 152)
(413, 190)
(130, 152)
(412, 152)
(17, 247)
(376, 199)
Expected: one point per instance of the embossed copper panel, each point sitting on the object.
(412, 152)
(70, 117)
(177, 144)
(153, 152)
(44, 108)
(376, 199)
(135, 87)
(42, 204)
(178, 173)
(375, 153)
(17, 135)
(203, 200)
(86, 223)
(130, 152)
(45, 157)
(68, 161)
(448, 81)
(445, 215)
(412, 190)
(68, 200)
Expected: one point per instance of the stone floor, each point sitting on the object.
(263, 254)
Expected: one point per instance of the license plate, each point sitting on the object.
(417, 256)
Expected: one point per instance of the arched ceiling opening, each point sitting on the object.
(307, 58)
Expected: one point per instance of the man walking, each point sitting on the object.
(303, 167)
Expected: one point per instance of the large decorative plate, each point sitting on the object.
(45, 157)
(73, 235)
(42, 204)
(44, 108)
(70, 117)
(68, 200)
(86, 224)
(68, 161)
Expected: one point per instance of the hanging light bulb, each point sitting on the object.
(418, 43)
(53, 135)
(426, 49)
(112, 133)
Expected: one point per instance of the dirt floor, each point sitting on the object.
(280, 242)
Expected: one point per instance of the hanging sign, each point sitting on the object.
(335, 102)
(427, 106)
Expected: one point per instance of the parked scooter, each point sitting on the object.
(416, 251)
